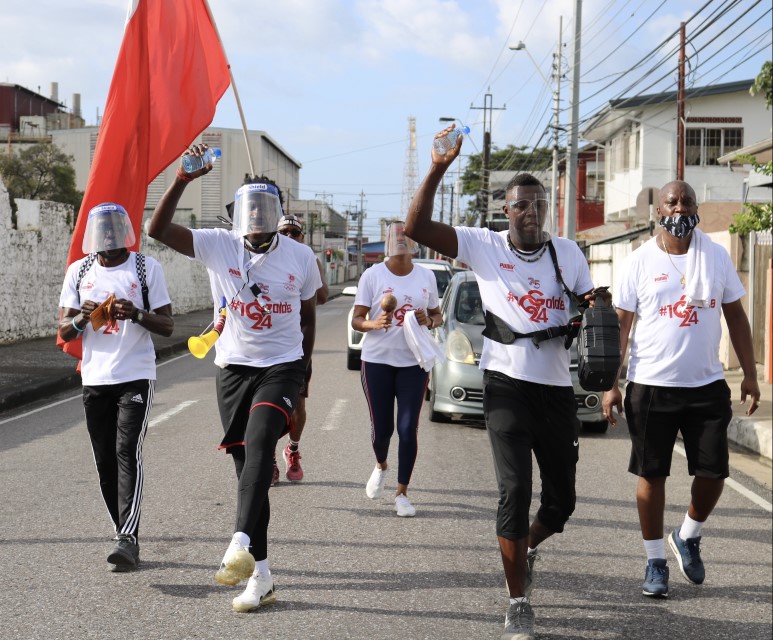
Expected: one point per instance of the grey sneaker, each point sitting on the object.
(519, 622)
(655, 579)
(688, 553)
(528, 584)
(125, 555)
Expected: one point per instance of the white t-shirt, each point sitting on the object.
(528, 297)
(673, 344)
(122, 352)
(417, 290)
(286, 275)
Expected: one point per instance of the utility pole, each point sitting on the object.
(570, 200)
(487, 115)
(680, 107)
(556, 129)
(360, 216)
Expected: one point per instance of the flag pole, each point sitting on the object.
(236, 92)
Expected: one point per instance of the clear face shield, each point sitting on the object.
(108, 228)
(257, 209)
(529, 209)
(397, 243)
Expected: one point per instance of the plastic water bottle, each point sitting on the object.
(448, 141)
(193, 163)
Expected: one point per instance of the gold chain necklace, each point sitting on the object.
(683, 281)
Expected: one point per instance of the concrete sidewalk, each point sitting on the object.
(34, 369)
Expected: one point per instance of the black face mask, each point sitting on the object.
(113, 254)
(679, 226)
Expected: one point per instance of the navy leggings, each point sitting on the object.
(383, 384)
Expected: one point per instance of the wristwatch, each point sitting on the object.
(138, 317)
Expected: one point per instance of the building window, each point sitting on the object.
(704, 146)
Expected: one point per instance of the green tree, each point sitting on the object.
(41, 172)
(764, 83)
(511, 158)
(757, 217)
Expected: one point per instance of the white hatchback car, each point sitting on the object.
(443, 274)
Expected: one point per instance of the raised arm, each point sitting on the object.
(419, 224)
(161, 227)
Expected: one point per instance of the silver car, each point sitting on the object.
(455, 389)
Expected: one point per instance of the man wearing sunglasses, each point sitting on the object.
(528, 399)
(292, 226)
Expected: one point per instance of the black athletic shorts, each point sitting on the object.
(656, 414)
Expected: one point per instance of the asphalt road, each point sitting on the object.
(346, 566)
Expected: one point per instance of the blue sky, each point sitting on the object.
(335, 81)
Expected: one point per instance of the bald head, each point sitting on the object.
(677, 191)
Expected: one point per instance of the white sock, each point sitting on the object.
(261, 567)
(242, 538)
(690, 528)
(530, 551)
(655, 549)
(517, 600)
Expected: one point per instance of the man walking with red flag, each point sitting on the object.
(172, 50)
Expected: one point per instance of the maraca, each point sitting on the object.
(388, 304)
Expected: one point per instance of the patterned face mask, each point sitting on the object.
(679, 226)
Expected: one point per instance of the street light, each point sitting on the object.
(556, 125)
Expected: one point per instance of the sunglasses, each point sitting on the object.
(292, 231)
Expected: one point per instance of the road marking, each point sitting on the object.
(335, 415)
(171, 412)
(738, 487)
(71, 398)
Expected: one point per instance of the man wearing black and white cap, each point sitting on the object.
(290, 225)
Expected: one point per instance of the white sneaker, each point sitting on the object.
(375, 486)
(238, 563)
(259, 592)
(404, 507)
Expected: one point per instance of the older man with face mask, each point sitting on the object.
(676, 287)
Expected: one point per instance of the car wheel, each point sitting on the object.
(434, 416)
(595, 427)
(353, 361)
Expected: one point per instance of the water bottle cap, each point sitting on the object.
(465, 129)
(217, 152)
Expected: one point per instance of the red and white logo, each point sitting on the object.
(663, 277)
(506, 266)
(235, 272)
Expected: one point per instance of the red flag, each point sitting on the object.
(170, 73)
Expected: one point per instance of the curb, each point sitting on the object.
(754, 435)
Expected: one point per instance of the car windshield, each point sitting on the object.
(443, 279)
(469, 308)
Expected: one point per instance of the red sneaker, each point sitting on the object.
(275, 475)
(294, 471)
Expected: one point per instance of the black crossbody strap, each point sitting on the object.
(83, 270)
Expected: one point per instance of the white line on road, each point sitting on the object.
(335, 414)
(738, 487)
(79, 396)
(171, 412)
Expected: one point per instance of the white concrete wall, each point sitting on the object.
(32, 267)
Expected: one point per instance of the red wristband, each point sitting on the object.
(184, 176)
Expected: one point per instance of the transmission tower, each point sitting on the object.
(411, 171)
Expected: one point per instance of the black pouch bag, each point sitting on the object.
(598, 347)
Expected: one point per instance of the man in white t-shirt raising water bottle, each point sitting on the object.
(676, 287)
(526, 280)
(270, 283)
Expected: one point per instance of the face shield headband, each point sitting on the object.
(679, 226)
(397, 243)
(257, 209)
(530, 217)
(108, 228)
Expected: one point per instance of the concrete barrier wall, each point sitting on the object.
(32, 267)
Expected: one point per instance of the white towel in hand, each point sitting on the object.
(700, 269)
(421, 343)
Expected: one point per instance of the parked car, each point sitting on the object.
(443, 274)
(455, 388)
